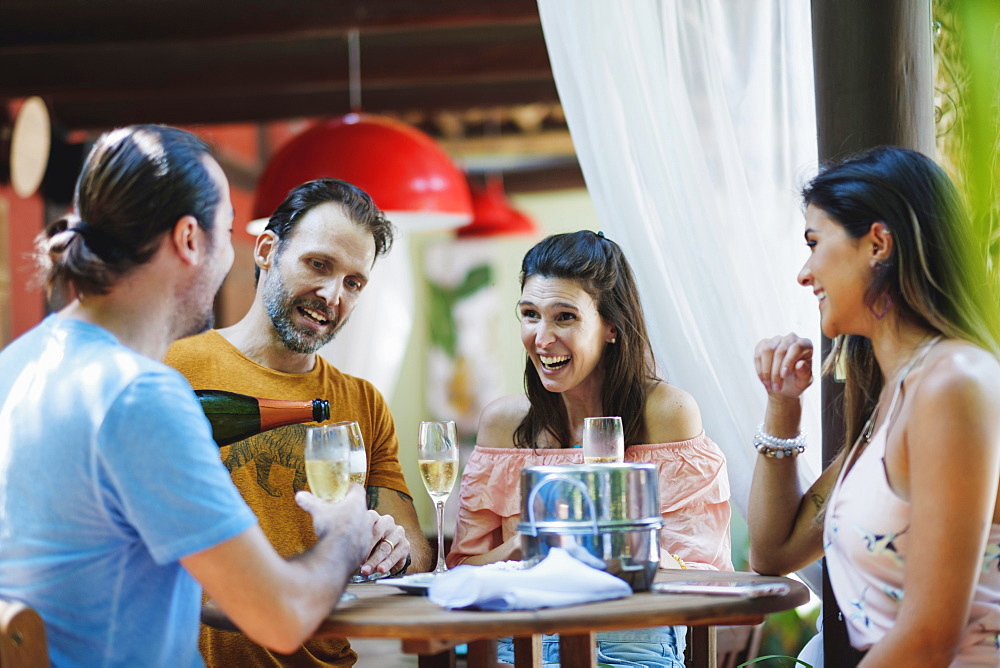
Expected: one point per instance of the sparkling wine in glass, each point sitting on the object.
(437, 454)
(350, 431)
(328, 465)
(603, 440)
(327, 456)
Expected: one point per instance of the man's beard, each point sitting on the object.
(280, 305)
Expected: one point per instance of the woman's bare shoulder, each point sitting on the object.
(956, 372)
(500, 419)
(672, 414)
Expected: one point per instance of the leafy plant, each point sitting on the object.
(441, 304)
(774, 656)
(966, 51)
(787, 632)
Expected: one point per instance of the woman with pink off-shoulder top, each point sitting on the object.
(588, 354)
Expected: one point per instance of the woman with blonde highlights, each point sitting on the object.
(908, 514)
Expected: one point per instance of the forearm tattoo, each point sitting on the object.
(818, 501)
(373, 496)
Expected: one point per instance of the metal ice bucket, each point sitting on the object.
(606, 515)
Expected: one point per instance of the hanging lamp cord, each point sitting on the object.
(354, 68)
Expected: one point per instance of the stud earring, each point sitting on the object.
(614, 339)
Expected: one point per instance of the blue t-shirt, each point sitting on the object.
(108, 476)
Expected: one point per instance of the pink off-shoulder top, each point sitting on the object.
(694, 498)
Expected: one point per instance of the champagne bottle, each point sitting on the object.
(237, 416)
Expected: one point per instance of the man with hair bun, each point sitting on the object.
(115, 509)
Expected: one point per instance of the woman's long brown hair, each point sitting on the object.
(937, 276)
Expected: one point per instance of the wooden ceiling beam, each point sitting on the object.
(554, 177)
(171, 108)
(40, 23)
(191, 62)
(273, 65)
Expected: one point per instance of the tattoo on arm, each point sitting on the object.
(818, 501)
(373, 495)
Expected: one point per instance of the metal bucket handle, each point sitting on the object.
(532, 530)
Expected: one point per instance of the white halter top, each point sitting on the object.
(865, 538)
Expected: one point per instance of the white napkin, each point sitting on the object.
(556, 580)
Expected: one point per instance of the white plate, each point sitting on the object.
(733, 588)
(418, 583)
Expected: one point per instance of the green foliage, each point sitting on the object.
(441, 303)
(787, 632)
(776, 656)
(967, 85)
(967, 55)
(980, 50)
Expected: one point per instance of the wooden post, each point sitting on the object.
(702, 647)
(873, 65)
(528, 651)
(482, 653)
(445, 659)
(577, 650)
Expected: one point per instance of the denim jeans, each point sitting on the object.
(660, 647)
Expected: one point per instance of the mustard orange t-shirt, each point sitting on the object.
(268, 469)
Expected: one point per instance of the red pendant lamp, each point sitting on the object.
(493, 215)
(407, 174)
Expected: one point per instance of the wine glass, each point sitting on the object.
(437, 454)
(328, 466)
(351, 432)
(327, 462)
(603, 440)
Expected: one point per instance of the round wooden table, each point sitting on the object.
(426, 629)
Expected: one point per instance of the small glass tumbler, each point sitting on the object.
(603, 440)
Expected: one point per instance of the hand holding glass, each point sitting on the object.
(603, 440)
(437, 454)
(328, 465)
(350, 433)
(327, 456)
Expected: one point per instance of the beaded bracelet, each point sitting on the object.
(778, 448)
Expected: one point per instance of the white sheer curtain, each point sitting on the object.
(695, 127)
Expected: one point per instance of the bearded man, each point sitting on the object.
(313, 262)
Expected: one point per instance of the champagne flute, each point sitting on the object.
(328, 466)
(437, 454)
(351, 432)
(327, 455)
(603, 440)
